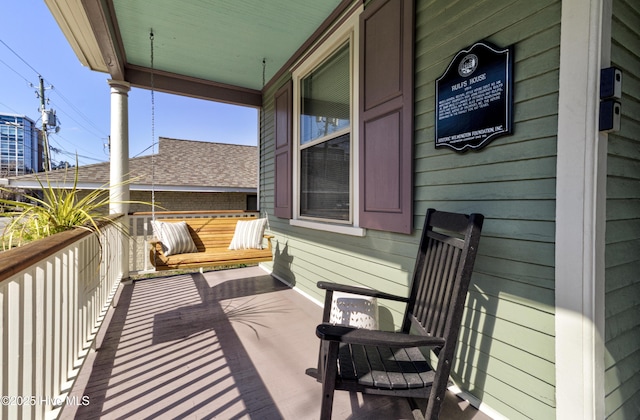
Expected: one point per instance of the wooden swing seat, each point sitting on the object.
(212, 237)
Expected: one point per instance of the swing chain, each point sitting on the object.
(153, 132)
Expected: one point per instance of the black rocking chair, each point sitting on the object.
(398, 363)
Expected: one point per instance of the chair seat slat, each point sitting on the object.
(383, 367)
(346, 362)
(393, 369)
(363, 373)
(376, 368)
(412, 366)
(421, 365)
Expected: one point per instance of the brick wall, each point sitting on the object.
(189, 201)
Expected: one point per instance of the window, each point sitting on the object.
(324, 135)
(344, 127)
(325, 140)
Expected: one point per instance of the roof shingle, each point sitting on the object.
(178, 163)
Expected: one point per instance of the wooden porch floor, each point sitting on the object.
(230, 344)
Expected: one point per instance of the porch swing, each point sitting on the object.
(204, 241)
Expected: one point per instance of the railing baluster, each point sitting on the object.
(50, 313)
(4, 363)
(13, 328)
(28, 340)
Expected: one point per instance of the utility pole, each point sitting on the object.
(45, 121)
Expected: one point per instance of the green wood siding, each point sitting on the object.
(506, 353)
(622, 254)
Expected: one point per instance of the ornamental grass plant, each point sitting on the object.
(58, 210)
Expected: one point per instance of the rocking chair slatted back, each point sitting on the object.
(390, 363)
(438, 290)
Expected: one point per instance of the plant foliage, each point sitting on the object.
(58, 210)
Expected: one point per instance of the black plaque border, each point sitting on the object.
(509, 50)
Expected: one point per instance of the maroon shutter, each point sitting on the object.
(386, 116)
(283, 135)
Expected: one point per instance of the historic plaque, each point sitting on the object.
(474, 98)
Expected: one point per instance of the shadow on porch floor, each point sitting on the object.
(225, 344)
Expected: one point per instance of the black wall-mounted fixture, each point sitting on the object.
(610, 93)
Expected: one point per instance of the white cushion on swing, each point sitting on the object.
(248, 234)
(174, 237)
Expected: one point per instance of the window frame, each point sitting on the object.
(348, 31)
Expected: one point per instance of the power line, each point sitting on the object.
(100, 136)
(45, 102)
(84, 117)
(21, 59)
(73, 154)
(9, 108)
(77, 148)
(64, 152)
(16, 72)
(144, 150)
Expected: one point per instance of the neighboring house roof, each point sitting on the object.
(179, 165)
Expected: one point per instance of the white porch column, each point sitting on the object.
(580, 215)
(119, 173)
(119, 187)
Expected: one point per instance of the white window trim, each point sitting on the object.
(348, 31)
(328, 227)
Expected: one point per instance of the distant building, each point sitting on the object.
(21, 147)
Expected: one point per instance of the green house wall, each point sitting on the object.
(506, 354)
(622, 253)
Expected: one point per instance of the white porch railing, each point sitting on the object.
(141, 232)
(54, 295)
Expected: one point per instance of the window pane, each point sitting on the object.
(325, 98)
(325, 179)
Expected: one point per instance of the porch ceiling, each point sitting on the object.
(212, 49)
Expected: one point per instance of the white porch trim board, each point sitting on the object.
(580, 212)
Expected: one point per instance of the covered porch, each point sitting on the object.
(556, 280)
(224, 344)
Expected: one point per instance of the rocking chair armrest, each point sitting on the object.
(337, 287)
(350, 335)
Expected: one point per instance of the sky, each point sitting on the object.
(32, 44)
